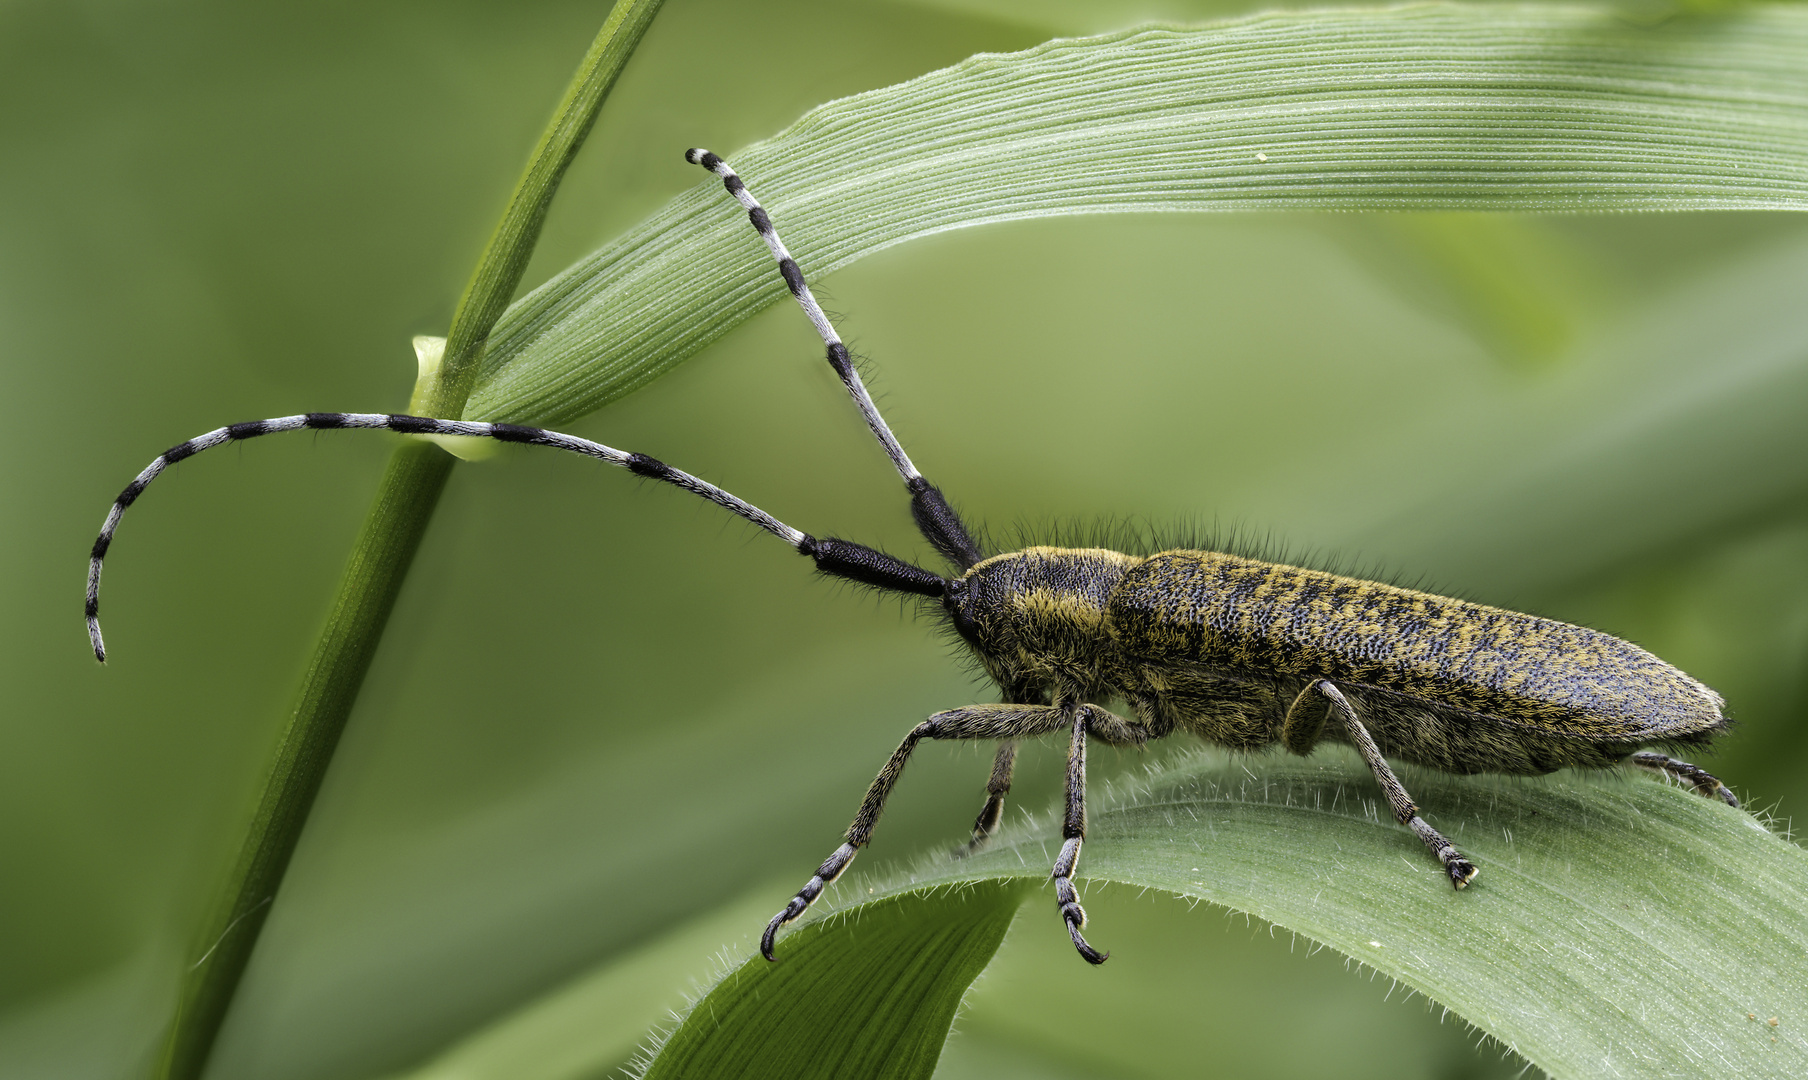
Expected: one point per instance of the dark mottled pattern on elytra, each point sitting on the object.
(1221, 646)
(1240, 614)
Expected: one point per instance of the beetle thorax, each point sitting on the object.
(1037, 616)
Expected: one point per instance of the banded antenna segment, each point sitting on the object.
(840, 558)
(934, 517)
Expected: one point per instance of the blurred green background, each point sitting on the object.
(604, 715)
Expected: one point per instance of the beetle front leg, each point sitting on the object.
(1406, 812)
(972, 722)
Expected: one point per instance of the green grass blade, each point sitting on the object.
(511, 247)
(871, 993)
(1597, 894)
(1517, 107)
(1620, 926)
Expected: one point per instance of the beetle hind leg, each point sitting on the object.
(1705, 783)
(1406, 812)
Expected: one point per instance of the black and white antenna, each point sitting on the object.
(840, 558)
(934, 517)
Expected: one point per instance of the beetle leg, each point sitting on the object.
(1305, 721)
(972, 722)
(1073, 834)
(1112, 729)
(1704, 782)
(1461, 870)
(996, 789)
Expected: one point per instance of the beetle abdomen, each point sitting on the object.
(1227, 612)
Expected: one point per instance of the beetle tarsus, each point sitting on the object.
(1075, 917)
(1461, 871)
(983, 826)
(1705, 783)
(825, 876)
(769, 938)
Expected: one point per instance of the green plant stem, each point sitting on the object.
(411, 487)
(392, 533)
(499, 272)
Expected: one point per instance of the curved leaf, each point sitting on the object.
(1618, 927)
(869, 993)
(1471, 107)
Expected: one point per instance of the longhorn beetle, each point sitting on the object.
(1237, 651)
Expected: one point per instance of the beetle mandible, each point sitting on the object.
(1238, 651)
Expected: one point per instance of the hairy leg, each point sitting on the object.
(1073, 834)
(996, 789)
(1406, 812)
(1305, 722)
(1704, 782)
(972, 722)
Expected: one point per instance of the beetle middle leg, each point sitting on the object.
(1406, 812)
(973, 722)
